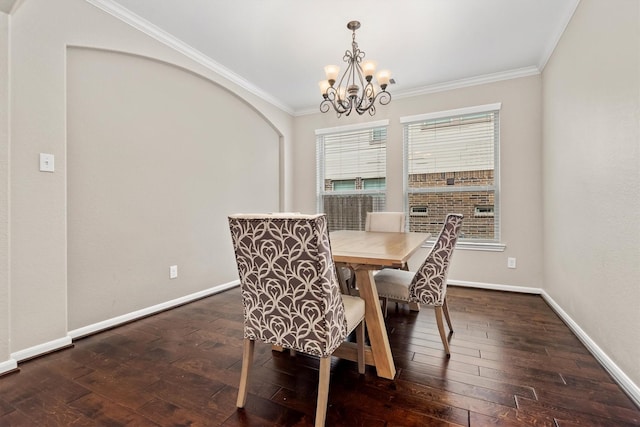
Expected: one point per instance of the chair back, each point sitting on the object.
(385, 221)
(429, 285)
(290, 293)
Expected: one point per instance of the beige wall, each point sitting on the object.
(520, 168)
(41, 31)
(156, 160)
(592, 177)
(4, 188)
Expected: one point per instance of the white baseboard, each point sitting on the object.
(40, 349)
(110, 323)
(495, 287)
(8, 365)
(629, 387)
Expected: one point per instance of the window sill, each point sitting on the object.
(473, 246)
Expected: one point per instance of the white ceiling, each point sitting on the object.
(279, 47)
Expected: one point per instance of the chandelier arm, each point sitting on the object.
(348, 58)
(325, 106)
(383, 97)
(365, 101)
(332, 99)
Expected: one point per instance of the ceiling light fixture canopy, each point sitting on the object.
(355, 89)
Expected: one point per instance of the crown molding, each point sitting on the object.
(472, 81)
(146, 27)
(552, 45)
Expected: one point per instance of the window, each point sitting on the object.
(351, 173)
(451, 165)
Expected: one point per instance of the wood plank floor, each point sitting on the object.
(513, 363)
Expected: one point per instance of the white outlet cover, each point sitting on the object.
(173, 271)
(47, 162)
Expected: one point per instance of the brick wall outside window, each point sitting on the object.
(349, 211)
(439, 204)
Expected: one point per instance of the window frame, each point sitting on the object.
(463, 243)
(321, 191)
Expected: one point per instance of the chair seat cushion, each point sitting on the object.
(393, 283)
(353, 311)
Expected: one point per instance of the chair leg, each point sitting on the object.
(247, 361)
(443, 336)
(445, 309)
(360, 342)
(385, 303)
(323, 391)
(414, 306)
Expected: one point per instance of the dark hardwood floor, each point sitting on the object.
(513, 363)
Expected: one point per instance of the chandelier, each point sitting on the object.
(355, 90)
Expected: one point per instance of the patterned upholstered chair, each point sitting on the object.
(428, 285)
(290, 293)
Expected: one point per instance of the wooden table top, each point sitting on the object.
(375, 248)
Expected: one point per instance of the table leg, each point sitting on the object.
(375, 324)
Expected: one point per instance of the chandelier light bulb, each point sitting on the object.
(369, 69)
(383, 78)
(332, 72)
(324, 85)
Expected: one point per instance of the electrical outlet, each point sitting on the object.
(511, 262)
(47, 162)
(173, 272)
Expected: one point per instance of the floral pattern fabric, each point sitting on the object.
(291, 296)
(429, 285)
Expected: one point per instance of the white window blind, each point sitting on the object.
(351, 174)
(451, 164)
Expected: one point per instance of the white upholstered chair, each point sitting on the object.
(375, 221)
(428, 285)
(290, 294)
(385, 221)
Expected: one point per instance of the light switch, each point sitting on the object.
(46, 162)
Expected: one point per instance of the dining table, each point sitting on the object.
(364, 252)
